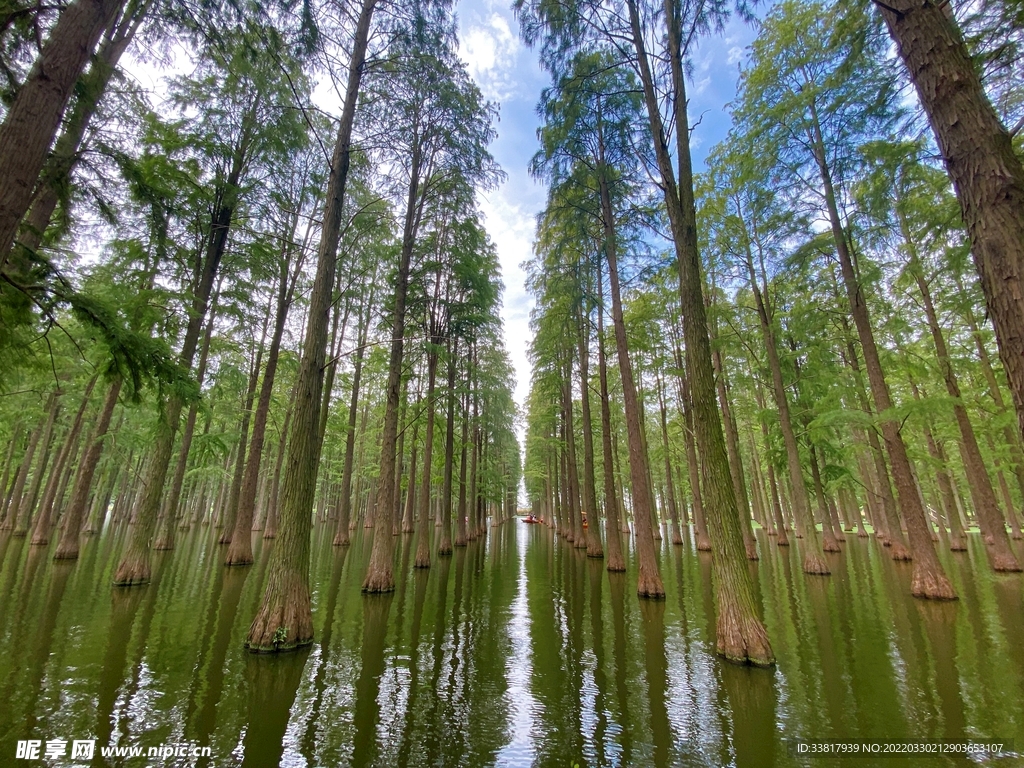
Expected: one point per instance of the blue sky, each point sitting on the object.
(508, 73)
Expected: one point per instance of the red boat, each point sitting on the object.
(531, 519)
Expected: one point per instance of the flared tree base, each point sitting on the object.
(66, 551)
(595, 552)
(815, 565)
(376, 583)
(133, 571)
(1005, 563)
(39, 540)
(341, 538)
(898, 551)
(240, 552)
(930, 584)
(703, 543)
(284, 621)
(957, 544)
(444, 550)
(831, 546)
(751, 548)
(649, 585)
(742, 640)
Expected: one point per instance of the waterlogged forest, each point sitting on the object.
(267, 496)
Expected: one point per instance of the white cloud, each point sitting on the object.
(701, 85)
(490, 49)
(509, 218)
(735, 55)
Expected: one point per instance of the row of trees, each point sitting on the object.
(811, 349)
(241, 312)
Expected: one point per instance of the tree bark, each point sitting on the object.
(649, 582)
(613, 537)
(61, 162)
(589, 495)
(444, 546)
(23, 517)
(34, 117)
(993, 527)
(41, 530)
(987, 173)
(284, 620)
(673, 510)
(928, 580)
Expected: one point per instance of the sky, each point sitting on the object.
(508, 73)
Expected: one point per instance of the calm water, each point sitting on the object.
(516, 651)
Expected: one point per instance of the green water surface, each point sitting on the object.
(516, 651)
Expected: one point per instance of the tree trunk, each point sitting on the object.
(649, 582)
(781, 536)
(341, 536)
(703, 543)
(34, 116)
(444, 547)
(408, 519)
(740, 633)
(993, 527)
(978, 151)
(887, 523)
(814, 563)
(613, 537)
(422, 559)
(1011, 437)
(379, 572)
(240, 551)
(732, 444)
(829, 537)
(284, 620)
(673, 510)
(571, 466)
(589, 496)
(56, 175)
(134, 567)
(24, 511)
(41, 531)
(462, 525)
(169, 510)
(928, 580)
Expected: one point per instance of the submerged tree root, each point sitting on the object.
(742, 641)
(284, 622)
(649, 586)
(378, 581)
(898, 550)
(1005, 563)
(930, 584)
(133, 571)
(815, 565)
